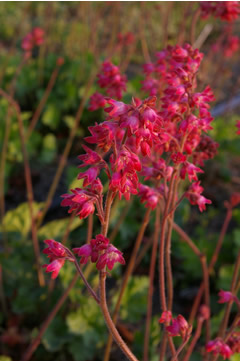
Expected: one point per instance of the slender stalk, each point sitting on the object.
(35, 343)
(29, 186)
(67, 149)
(128, 272)
(194, 340)
(120, 221)
(195, 18)
(102, 288)
(43, 101)
(161, 265)
(230, 331)
(144, 45)
(205, 271)
(211, 264)
(151, 280)
(226, 316)
(86, 282)
(5, 143)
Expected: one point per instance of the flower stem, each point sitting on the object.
(128, 272)
(151, 279)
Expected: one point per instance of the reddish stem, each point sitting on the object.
(29, 186)
(151, 279)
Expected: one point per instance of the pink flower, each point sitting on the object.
(217, 346)
(89, 175)
(57, 254)
(149, 195)
(225, 296)
(80, 201)
(109, 258)
(97, 101)
(102, 135)
(166, 317)
(178, 158)
(101, 252)
(34, 38)
(90, 157)
(191, 170)
(111, 79)
(179, 327)
(238, 126)
(195, 197)
(226, 10)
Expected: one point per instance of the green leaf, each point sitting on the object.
(56, 335)
(5, 358)
(56, 229)
(18, 220)
(49, 148)
(51, 116)
(134, 301)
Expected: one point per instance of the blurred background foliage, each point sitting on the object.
(84, 34)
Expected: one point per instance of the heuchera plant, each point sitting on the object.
(154, 149)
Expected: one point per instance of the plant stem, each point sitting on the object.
(128, 272)
(151, 280)
(211, 264)
(224, 323)
(67, 149)
(35, 343)
(194, 340)
(86, 282)
(161, 263)
(205, 271)
(43, 101)
(29, 186)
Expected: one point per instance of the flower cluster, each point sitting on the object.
(32, 39)
(225, 10)
(217, 346)
(101, 252)
(57, 254)
(179, 326)
(112, 80)
(140, 140)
